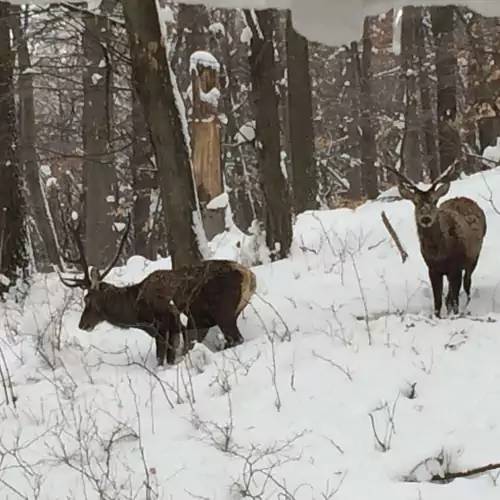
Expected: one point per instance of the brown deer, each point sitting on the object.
(451, 235)
(213, 292)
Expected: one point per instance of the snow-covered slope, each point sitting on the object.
(345, 381)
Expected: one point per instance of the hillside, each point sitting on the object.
(294, 413)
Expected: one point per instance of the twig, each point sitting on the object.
(450, 476)
(394, 236)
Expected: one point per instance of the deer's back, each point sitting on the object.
(469, 223)
(187, 285)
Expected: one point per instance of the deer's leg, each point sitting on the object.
(227, 323)
(172, 344)
(161, 345)
(468, 279)
(455, 282)
(193, 333)
(436, 278)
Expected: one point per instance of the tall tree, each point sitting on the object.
(154, 83)
(278, 220)
(411, 141)
(300, 113)
(430, 149)
(443, 23)
(38, 203)
(369, 177)
(99, 170)
(13, 255)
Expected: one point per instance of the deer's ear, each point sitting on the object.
(442, 190)
(405, 193)
(95, 279)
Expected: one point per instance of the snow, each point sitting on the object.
(492, 154)
(246, 133)
(211, 97)
(294, 407)
(220, 201)
(204, 59)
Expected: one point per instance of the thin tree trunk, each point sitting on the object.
(369, 177)
(411, 141)
(446, 67)
(300, 112)
(99, 172)
(13, 239)
(27, 138)
(155, 87)
(431, 157)
(262, 71)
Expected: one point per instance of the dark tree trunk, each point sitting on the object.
(99, 172)
(276, 194)
(154, 85)
(446, 66)
(431, 157)
(353, 131)
(13, 255)
(410, 151)
(143, 180)
(369, 177)
(300, 112)
(27, 137)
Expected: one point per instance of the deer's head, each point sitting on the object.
(98, 292)
(425, 202)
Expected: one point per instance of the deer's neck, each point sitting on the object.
(120, 307)
(433, 241)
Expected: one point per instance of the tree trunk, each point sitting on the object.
(262, 73)
(411, 157)
(99, 173)
(27, 130)
(428, 125)
(369, 177)
(155, 87)
(446, 66)
(143, 180)
(13, 241)
(300, 111)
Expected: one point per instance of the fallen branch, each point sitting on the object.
(450, 476)
(394, 237)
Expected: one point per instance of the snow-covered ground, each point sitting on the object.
(345, 383)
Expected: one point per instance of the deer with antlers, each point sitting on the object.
(167, 303)
(451, 235)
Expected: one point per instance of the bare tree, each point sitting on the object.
(278, 221)
(154, 83)
(38, 203)
(13, 255)
(300, 113)
(443, 23)
(99, 171)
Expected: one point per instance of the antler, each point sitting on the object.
(91, 278)
(443, 177)
(86, 281)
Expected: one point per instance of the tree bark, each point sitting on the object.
(369, 177)
(27, 138)
(154, 85)
(278, 221)
(300, 112)
(446, 65)
(99, 172)
(428, 125)
(13, 241)
(410, 151)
